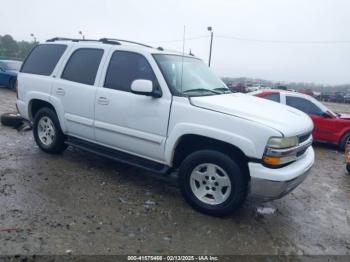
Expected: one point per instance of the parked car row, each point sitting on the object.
(337, 97)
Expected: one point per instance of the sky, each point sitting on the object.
(279, 40)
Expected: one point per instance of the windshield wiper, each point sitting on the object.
(224, 89)
(201, 90)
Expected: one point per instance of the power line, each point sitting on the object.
(180, 40)
(271, 41)
(284, 41)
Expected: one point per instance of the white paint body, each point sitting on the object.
(151, 127)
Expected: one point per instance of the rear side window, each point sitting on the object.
(43, 59)
(303, 105)
(124, 68)
(273, 97)
(82, 66)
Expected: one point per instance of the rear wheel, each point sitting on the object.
(212, 183)
(47, 131)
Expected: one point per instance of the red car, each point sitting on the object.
(329, 126)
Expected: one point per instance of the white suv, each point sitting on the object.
(165, 112)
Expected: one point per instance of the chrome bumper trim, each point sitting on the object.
(266, 190)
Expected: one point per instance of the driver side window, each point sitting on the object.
(124, 68)
(303, 105)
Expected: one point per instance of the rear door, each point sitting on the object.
(133, 123)
(75, 89)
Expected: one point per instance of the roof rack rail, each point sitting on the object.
(113, 40)
(80, 40)
(69, 39)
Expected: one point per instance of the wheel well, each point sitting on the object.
(36, 104)
(191, 143)
(346, 132)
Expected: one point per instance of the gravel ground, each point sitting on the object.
(80, 203)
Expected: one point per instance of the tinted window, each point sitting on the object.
(124, 68)
(43, 59)
(273, 97)
(82, 66)
(303, 105)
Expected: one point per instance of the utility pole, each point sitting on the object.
(210, 29)
(82, 36)
(34, 38)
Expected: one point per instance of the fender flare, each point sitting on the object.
(48, 99)
(244, 144)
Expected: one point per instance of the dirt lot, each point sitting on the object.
(89, 205)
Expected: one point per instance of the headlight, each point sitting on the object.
(279, 151)
(282, 142)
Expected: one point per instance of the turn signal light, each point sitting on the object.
(271, 160)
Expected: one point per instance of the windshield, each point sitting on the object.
(187, 76)
(12, 65)
(323, 108)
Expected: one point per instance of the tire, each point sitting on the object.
(226, 170)
(348, 168)
(11, 119)
(47, 132)
(345, 138)
(12, 84)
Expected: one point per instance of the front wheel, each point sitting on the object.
(212, 183)
(344, 140)
(47, 132)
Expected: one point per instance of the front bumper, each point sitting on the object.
(268, 184)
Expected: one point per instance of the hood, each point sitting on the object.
(287, 120)
(344, 116)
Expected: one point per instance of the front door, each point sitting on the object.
(129, 122)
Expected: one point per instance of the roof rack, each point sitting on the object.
(111, 41)
(81, 40)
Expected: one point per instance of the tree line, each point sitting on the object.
(12, 49)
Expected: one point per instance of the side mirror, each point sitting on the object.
(144, 87)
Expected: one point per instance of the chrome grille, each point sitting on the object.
(303, 138)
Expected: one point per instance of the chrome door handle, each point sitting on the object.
(60, 91)
(103, 100)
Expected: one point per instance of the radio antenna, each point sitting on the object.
(183, 54)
